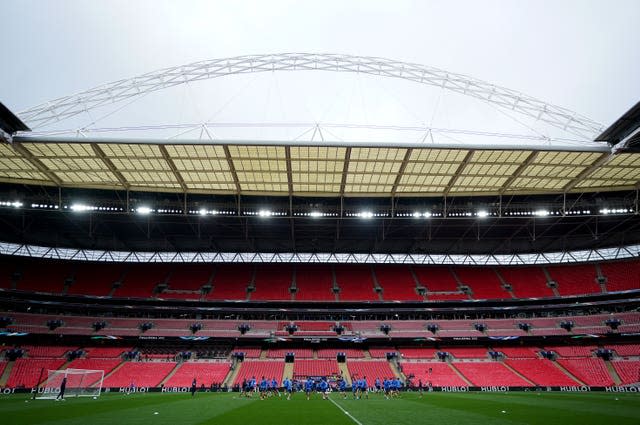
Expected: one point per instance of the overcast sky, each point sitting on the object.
(583, 55)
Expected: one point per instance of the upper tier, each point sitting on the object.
(320, 282)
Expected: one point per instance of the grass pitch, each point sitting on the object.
(409, 409)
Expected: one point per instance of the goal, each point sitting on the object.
(80, 383)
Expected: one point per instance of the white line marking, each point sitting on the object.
(345, 412)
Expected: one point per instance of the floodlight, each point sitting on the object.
(542, 213)
(482, 214)
(265, 213)
(315, 214)
(81, 207)
(143, 210)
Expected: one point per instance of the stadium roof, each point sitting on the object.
(314, 169)
(624, 134)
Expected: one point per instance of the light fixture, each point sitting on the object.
(541, 213)
(81, 207)
(482, 214)
(265, 213)
(365, 214)
(315, 214)
(143, 210)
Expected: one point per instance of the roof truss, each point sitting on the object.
(318, 169)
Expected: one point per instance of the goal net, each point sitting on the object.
(80, 383)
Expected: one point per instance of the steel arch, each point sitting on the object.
(68, 106)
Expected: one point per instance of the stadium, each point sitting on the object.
(159, 270)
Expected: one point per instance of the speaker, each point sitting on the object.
(5, 321)
(567, 325)
(433, 327)
(146, 326)
(442, 355)
(524, 326)
(480, 327)
(99, 326)
(613, 323)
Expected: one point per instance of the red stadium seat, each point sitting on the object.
(148, 374)
(204, 373)
(372, 370)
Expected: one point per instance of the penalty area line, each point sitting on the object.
(345, 412)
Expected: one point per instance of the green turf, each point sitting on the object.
(434, 408)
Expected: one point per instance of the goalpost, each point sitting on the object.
(80, 383)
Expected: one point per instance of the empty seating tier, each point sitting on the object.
(186, 281)
(300, 353)
(628, 371)
(625, 350)
(7, 268)
(140, 280)
(148, 374)
(204, 374)
(304, 368)
(30, 372)
(47, 351)
(541, 372)
(586, 351)
(591, 371)
(467, 352)
(249, 352)
(331, 353)
(526, 282)
(437, 373)
(272, 282)
(519, 352)
(48, 276)
(313, 326)
(381, 352)
(372, 370)
(230, 282)
(621, 275)
(575, 279)
(95, 278)
(483, 281)
(314, 283)
(104, 352)
(105, 365)
(417, 353)
(397, 283)
(436, 279)
(439, 296)
(355, 283)
(490, 373)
